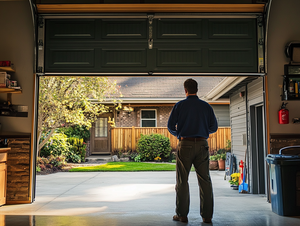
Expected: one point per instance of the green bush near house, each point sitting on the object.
(77, 150)
(80, 132)
(154, 145)
(57, 145)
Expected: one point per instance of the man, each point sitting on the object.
(192, 120)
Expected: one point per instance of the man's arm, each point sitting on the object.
(173, 121)
(213, 125)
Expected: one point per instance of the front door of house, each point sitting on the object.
(100, 137)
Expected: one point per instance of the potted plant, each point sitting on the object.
(221, 161)
(234, 181)
(213, 162)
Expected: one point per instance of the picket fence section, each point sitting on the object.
(125, 139)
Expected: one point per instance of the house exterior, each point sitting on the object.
(147, 102)
(272, 24)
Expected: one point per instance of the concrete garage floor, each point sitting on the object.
(133, 199)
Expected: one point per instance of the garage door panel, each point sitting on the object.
(124, 29)
(198, 45)
(71, 29)
(230, 57)
(179, 58)
(230, 28)
(123, 58)
(179, 29)
(71, 58)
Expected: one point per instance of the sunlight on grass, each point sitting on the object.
(126, 167)
(111, 167)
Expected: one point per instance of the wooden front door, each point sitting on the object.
(100, 137)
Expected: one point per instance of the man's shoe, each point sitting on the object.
(206, 220)
(181, 219)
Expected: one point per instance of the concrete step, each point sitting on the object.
(98, 158)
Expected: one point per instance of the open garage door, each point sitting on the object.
(149, 44)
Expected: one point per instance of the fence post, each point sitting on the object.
(132, 138)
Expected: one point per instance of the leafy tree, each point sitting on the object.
(67, 101)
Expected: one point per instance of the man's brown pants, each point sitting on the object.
(193, 153)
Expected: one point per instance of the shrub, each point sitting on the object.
(50, 162)
(57, 145)
(57, 161)
(77, 151)
(80, 132)
(152, 146)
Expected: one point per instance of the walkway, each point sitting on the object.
(133, 199)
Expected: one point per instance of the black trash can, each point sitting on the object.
(285, 182)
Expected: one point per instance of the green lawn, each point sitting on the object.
(126, 167)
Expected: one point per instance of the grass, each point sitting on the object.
(126, 167)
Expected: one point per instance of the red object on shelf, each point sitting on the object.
(5, 63)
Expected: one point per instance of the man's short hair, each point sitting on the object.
(191, 86)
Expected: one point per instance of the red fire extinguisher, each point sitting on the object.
(283, 114)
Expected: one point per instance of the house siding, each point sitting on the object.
(222, 115)
(238, 124)
(240, 117)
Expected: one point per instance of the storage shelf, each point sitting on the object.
(10, 90)
(9, 69)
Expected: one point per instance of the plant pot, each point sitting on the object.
(213, 164)
(221, 164)
(234, 187)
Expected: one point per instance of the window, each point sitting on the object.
(101, 127)
(148, 118)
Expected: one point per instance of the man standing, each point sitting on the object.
(192, 120)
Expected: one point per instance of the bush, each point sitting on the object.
(51, 162)
(57, 145)
(77, 151)
(80, 132)
(152, 146)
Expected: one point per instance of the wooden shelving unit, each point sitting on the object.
(8, 69)
(9, 90)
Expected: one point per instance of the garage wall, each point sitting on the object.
(283, 28)
(17, 45)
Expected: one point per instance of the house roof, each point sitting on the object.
(154, 88)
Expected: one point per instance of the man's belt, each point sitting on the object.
(193, 138)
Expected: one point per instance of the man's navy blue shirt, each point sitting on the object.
(192, 117)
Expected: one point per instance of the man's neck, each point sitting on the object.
(187, 94)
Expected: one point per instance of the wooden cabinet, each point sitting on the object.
(3, 177)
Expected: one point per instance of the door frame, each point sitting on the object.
(257, 142)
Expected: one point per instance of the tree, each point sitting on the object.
(66, 101)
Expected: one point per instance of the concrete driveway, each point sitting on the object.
(133, 198)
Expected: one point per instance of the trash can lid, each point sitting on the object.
(283, 159)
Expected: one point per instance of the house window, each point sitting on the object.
(148, 118)
(101, 127)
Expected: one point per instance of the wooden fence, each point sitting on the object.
(125, 139)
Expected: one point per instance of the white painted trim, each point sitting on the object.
(227, 84)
